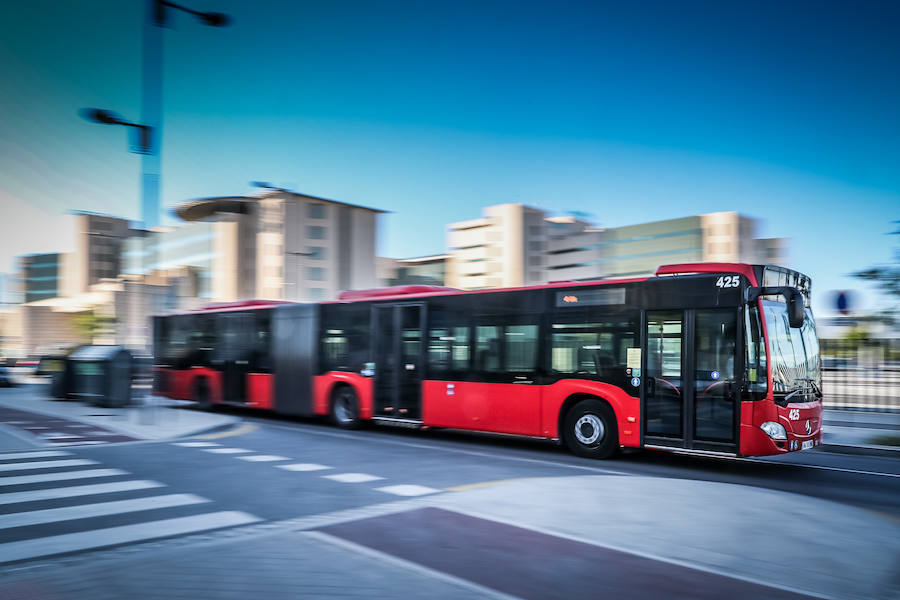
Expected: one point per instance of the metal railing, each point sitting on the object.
(861, 375)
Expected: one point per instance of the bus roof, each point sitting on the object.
(754, 274)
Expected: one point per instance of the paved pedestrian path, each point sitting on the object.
(155, 418)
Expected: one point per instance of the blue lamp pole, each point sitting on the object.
(149, 143)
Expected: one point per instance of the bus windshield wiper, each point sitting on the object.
(815, 386)
(792, 394)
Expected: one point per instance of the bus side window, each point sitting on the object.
(487, 348)
(594, 349)
(448, 350)
(521, 348)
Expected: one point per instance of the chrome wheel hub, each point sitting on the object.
(342, 409)
(589, 429)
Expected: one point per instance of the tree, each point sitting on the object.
(90, 324)
(887, 279)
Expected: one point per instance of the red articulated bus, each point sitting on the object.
(709, 358)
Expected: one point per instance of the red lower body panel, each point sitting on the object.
(522, 409)
(260, 389)
(498, 407)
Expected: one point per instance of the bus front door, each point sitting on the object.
(398, 335)
(689, 390)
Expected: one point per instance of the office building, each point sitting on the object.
(39, 276)
(420, 270)
(514, 245)
(504, 248)
(311, 248)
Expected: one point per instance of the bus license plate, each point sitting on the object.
(806, 445)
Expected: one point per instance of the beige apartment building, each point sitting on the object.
(311, 248)
(504, 248)
(514, 245)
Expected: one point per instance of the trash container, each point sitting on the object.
(59, 370)
(101, 375)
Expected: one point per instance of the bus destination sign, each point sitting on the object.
(601, 297)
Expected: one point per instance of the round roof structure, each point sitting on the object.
(202, 208)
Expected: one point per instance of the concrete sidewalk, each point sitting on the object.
(155, 418)
(856, 431)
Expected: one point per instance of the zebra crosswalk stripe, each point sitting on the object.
(65, 476)
(100, 509)
(36, 454)
(113, 536)
(46, 464)
(77, 490)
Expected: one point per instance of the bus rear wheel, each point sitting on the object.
(590, 430)
(201, 395)
(345, 408)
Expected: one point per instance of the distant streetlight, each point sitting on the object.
(150, 128)
(268, 186)
(144, 143)
(161, 17)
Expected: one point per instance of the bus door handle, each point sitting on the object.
(523, 381)
(651, 386)
(241, 362)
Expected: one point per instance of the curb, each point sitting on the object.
(861, 450)
(112, 426)
(207, 430)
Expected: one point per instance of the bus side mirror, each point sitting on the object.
(796, 312)
(795, 307)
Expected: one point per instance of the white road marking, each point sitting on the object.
(38, 454)
(352, 477)
(77, 490)
(226, 450)
(55, 435)
(408, 490)
(112, 536)
(262, 458)
(303, 467)
(100, 509)
(442, 447)
(85, 474)
(46, 464)
(81, 443)
(196, 444)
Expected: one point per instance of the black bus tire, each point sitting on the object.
(201, 395)
(590, 430)
(345, 408)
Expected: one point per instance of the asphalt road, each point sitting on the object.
(273, 470)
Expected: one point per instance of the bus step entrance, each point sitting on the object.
(398, 422)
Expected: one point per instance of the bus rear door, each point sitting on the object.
(398, 334)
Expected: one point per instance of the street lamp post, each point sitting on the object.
(150, 128)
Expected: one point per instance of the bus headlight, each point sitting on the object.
(774, 430)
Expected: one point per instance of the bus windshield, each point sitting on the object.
(794, 354)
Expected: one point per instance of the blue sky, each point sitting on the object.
(629, 111)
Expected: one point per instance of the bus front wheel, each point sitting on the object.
(345, 408)
(590, 429)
